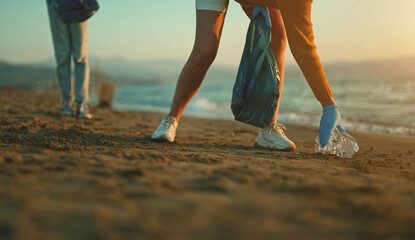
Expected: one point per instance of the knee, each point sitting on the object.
(79, 58)
(63, 56)
(204, 55)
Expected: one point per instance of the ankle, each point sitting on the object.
(174, 116)
(272, 121)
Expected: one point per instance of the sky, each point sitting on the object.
(144, 30)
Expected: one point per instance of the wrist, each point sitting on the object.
(329, 108)
(328, 102)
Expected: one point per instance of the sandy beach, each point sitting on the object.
(63, 178)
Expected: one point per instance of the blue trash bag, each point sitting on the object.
(72, 11)
(255, 93)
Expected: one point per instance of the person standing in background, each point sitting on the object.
(71, 39)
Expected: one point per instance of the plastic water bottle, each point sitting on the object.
(340, 144)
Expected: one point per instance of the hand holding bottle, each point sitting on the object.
(332, 138)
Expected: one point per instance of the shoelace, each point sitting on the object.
(83, 108)
(169, 121)
(279, 128)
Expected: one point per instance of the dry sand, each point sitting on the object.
(63, 178)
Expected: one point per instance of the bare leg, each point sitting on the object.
(278, 46)
(209, 26)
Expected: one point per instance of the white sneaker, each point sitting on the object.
(83, 111)
(273, 137)
(166, 132)
(66, 109)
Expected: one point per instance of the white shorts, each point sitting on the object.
(212, 5)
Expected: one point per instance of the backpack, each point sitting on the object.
(73, 11)
(255, 93)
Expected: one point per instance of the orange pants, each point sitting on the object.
(296, 15)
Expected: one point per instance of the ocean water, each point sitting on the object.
(377, 104)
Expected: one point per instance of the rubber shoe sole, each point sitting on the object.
(162, 138)
(84, 116)
(65, 113)
(267, 145)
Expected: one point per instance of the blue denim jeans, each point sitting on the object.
(70, 39)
